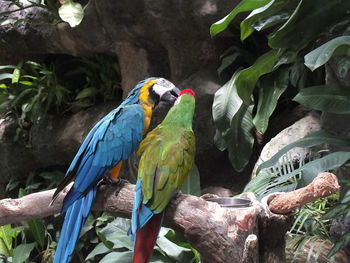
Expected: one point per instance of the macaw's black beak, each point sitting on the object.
(171, 95)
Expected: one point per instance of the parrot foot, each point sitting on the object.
(107, 180)
(177, 194)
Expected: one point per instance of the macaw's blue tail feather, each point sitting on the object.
(74, 220)
(141, 214)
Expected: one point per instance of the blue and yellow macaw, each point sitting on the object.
(112, 140)
(166, 157)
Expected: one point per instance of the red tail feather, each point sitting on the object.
(146, 239)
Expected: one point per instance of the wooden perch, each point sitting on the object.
(323, 185)
(221, 235)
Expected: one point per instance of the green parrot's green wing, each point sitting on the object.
(167, 157)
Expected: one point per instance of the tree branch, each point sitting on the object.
(323, 185)
(219, 234)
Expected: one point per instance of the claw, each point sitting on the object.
(107, 180)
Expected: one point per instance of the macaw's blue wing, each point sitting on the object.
(111, 140)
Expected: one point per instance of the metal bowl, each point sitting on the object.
(231, 201)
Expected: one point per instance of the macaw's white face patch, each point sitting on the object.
(160, 90)
(166, 90)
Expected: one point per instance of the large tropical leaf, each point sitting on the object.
(5, 240)
(307, 22)
(239, 138)
(319, 56)
(310, 170)
(284, 178)
(313, 139)
(22, 252)
(328, 98)
(120, 257)
(172, 250)
(258, 184)
(247, 78)
(98, 250)
(275, 12)
(37, 227)
(5, 76)
(243, 6)
(271, 88)
(226, 104)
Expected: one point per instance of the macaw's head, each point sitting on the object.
(154, 90)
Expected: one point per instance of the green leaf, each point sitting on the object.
(259, 183)
(307, 22)
(26, 83)
(192, 184)
(247, 78)
(22, 252)
(71, 12)
(313, 139)
(219, 141)
(336, 211)
(87, 92)
(37, 227)
(6, 240)
(226, 104)
(22, 96)
(120, 257)
(5, 76)
(172, 250)
(4, 106)
(328, 98)
(114, 234)
(239, 138)
(104, 240)
(98, 250)
(227, 61)
(271, 88)
(7, 67)
(243, 6)
(343, 241)
(16, 75)
(275, 12)
(319, 56)
(310, 170)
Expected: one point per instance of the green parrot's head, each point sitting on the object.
(182, 111)
(155, 90)
(190, 95)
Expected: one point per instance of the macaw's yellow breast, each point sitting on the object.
(146, 103)
(148, 115)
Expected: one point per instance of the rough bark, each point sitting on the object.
(250, 234)
(323, 185)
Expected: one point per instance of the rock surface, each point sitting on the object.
(298, 130)
(150, 38)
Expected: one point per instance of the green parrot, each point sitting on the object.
(166, 157)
